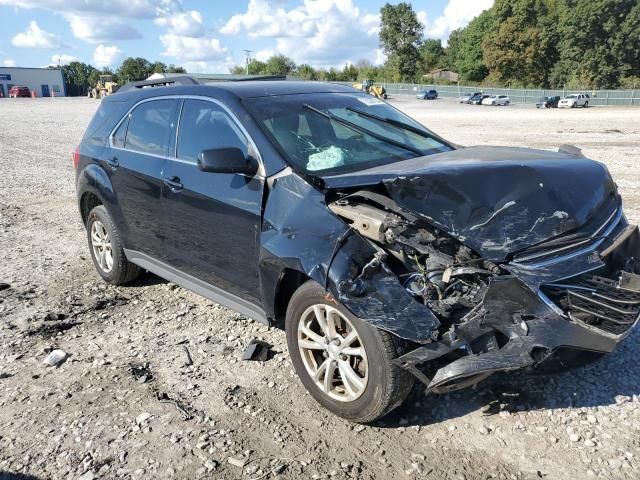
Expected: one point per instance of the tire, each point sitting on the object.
(100, 227)
(507, 103)
(384, 387)
(586, 104)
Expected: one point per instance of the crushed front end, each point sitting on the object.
(578, 291)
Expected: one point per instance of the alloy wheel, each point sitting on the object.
(333, 353)
(101, 245)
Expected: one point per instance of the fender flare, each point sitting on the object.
(95, 180)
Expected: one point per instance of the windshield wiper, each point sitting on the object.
(399, 124)
(360, 129)
(391, 121)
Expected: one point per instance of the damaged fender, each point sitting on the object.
(300, 233)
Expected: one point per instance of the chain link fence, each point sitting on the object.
(516, 95)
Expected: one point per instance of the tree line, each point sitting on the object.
(524, 43)
(80, 77)
(518, 43)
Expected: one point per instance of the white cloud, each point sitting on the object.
(62, 59)
(320, 32)
(191, 48)
(101, 29)
(223, 66)
(119, 8)
(106, 56)
(9, 63)
(456, 14)
(183, 23)
(35, 37)
(264, 54)
(99, 21)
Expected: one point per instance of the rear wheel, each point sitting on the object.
(586, 104)
(106, 249)
(507, 103)
(344, 363)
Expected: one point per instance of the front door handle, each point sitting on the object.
(113, 162)
(173, 183)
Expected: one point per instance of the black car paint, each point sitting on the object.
(496, 200)
(244, 234)
(548, 102)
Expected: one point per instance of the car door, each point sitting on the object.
(135, 161)
(213, 219)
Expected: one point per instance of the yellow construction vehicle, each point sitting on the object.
(368, 87)
(106, 86)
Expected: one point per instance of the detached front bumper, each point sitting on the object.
(591, 304)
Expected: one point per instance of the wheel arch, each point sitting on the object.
(94, 188)
(289, 282)
(88, 201)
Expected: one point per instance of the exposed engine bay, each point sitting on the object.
(499, 317)
(435, 268)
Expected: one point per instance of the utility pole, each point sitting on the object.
(248, 55)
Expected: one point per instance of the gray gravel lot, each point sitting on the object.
(116, 408)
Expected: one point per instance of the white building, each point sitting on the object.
(43, 81)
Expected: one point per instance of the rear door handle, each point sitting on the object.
(113, 162)
(173, 183)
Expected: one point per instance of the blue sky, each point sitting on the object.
(207, 36)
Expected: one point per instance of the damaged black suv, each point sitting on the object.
(386, 252)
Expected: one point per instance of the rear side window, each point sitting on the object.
(120, 134)
(103, 121)
(150, 127)
(205, 125)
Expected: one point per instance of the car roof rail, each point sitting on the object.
(160, 82)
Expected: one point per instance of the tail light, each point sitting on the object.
(76, 157)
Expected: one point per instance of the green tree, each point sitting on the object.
(134, 69)
(368, 71)
(599, 42)
(78, 78)
(306, 72)
(175, 69)
(279, 65)
(157, 67)
(465, 48)
(432, 54)
(349, 73)
(515, 50)
(400, 36)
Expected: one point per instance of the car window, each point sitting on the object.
(119, 135)
(150, 127)
(205, 125)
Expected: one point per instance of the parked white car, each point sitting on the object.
(496, 100)
(574, 100)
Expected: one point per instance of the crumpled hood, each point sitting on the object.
(496, 200)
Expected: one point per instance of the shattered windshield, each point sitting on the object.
(340, 132)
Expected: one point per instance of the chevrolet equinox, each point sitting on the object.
(387, 253)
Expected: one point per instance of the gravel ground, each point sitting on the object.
(129, 403)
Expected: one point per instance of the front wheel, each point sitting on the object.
(343, 362)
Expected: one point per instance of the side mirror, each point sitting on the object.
(226, 160)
